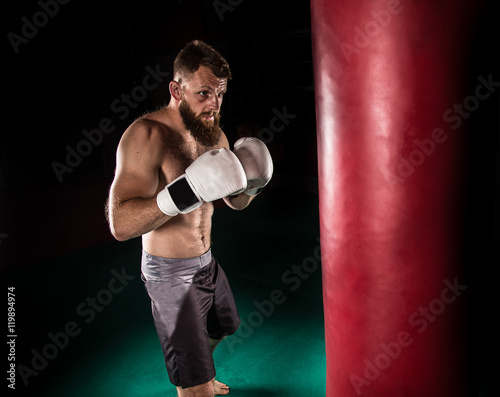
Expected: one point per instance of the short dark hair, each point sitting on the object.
(198, 53)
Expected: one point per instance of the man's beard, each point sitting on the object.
(205, 133)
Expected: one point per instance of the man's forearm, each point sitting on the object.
(135, 217)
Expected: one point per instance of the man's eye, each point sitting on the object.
(220, 94)
(204, 93)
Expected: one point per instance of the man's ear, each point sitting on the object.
(175, 90)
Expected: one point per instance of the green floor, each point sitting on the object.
(269, 252)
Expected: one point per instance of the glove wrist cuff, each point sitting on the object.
(253, 191)
(166, 204)
(178, 197)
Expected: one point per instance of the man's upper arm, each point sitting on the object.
(138, 160)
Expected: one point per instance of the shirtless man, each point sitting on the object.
(171, 165)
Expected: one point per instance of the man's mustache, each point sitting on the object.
(211, 113)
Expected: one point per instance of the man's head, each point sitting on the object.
(196, 54)
(200, 82)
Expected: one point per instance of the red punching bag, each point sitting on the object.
(387, 76)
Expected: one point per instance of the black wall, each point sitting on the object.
(84, 68)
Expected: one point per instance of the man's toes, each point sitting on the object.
(220, 389)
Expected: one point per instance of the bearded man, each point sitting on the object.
(171, 165)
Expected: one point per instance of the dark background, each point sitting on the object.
(90, 53)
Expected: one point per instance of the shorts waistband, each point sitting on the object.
(158, 268)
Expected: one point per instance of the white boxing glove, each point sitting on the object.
(257, 163)
(215, 174)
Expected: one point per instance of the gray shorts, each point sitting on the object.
(191, 302)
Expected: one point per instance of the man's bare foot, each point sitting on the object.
(220, 389)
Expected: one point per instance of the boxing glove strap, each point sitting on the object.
(178, 197)
(183, 195)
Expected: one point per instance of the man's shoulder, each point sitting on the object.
(150, 124)
(150, 129)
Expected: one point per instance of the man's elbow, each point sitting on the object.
(121, 236)
(117, 227)
(120, 232)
